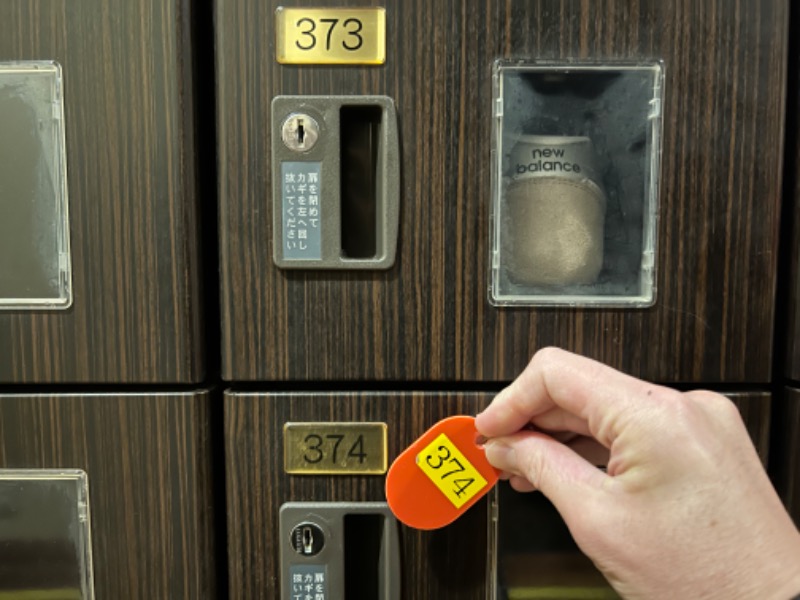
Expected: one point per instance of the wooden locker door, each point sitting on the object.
(428, 317)
(450, 563)
(130, 173)
(148, 460)
(257, 486)
(790, 296)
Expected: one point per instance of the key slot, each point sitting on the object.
(308, 540)
(360, 135)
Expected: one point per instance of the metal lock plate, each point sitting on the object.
(335, 182)
(336, 550)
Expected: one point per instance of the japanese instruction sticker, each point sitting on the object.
(308, 582)
(302, 210)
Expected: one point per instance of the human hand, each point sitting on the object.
(685, 509)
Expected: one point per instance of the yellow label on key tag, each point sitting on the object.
(450, 471)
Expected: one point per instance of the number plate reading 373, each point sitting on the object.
(334, 448)
(450, 471)
(330, 36)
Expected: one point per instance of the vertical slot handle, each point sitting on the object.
(360, 143)
(371, 557)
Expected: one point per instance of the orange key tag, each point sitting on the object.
(438, 477)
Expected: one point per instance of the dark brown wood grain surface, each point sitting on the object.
(148, 460)
(130, 171)
(787, 431)
(445, 564)
(428, 318)
(791, 366)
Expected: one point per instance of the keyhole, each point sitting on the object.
(299, 132)
(308, 540)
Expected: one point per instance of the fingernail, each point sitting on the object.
(501, 455)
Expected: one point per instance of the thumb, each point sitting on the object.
(562, 475)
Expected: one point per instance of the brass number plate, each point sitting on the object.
(330, 36)
(334, 448)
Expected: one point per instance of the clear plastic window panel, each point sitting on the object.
(34, 232)
(575, 184)
(533, 555)
(45, 543)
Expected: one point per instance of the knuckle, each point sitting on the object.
(717, 405)
(549, 355)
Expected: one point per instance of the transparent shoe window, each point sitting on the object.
(45, 542)
(575, 184)
(35, 262)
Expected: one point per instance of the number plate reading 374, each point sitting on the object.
(334, 448)
(450, 471)
(330, 36)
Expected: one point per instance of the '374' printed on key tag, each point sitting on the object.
(440, 476)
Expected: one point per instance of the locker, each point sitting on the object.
(428, 317)
(147, 458)
(457, 561)
(128, 120)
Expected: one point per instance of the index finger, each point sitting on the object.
(586, 388)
